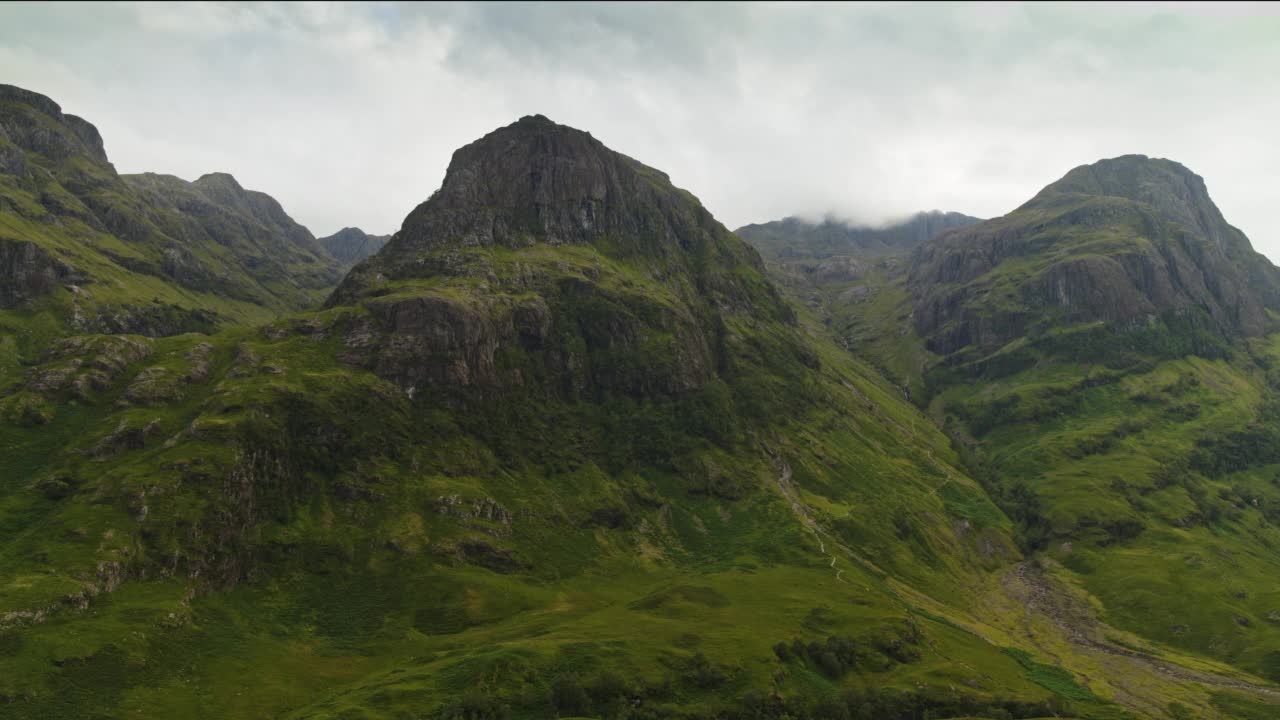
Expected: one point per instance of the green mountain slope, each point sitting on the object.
(854, 278)
(1103, 357)
(83, 249)
(559, 448)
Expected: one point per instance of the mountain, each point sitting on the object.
(282, 257)
(1123, 242)
(792, 238)
(351, 245)
(1103, 357)
(562, 448)
(89, 250)
(836, 269)
(651, 298)
(559, 448)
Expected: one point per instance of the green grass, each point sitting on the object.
(356, 552)
(1052, 678)
(561, 492)
(1138, 458)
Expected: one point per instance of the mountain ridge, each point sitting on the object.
(1103, 357)
(562, 448)
(1095, 256)
(794, 238)
(147, 253)
(580, 411)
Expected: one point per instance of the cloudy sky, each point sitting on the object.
(348, 113)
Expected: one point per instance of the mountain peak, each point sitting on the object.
(43, 103)
(75, 135)
(1175, 192)
(350, 245)
(1124, 240)
(536, 180)
(535, 183)
(537, 119)
(222, 180)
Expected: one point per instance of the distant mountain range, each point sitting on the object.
(792, 238)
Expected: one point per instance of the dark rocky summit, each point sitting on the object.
(34, 123)
(465, 281)
(536, 181)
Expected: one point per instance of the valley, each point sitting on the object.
(564, 445)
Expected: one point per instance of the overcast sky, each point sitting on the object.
(348, 113)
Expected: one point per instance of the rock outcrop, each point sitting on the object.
(34, 123)
(27, 271)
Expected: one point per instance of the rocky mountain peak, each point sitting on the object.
(13, 93)
(220, 179)
(37, 124)
(531, 161)
(538, 119)
(1175, 192)
(1125, 241)
(544, 243)
(537, 181)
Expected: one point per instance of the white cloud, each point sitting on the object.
(348, 113)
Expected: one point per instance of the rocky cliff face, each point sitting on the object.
(69, 219)
(27, 272)
(536, 181)
(547, 259)
(1123, 241)
(351, 245)
(34, 123)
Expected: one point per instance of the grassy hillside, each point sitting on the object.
(1134, 457)
(85, 250)
(614, 477)
(1155, 484)
(559, 449)
(278, 515)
